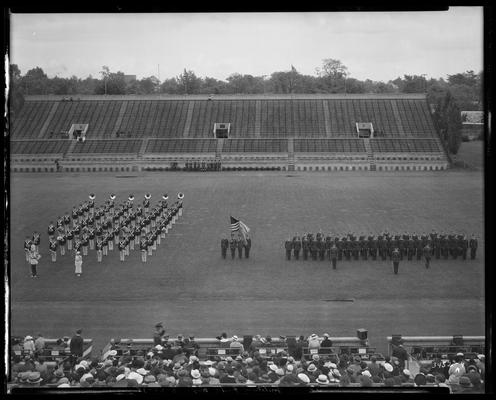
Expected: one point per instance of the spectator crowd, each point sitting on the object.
(175, 363)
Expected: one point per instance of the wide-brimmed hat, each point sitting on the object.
(149, 379)
(64, 385)
(63, 380)
(322, 379)
(195, 374)
(465, 381)
(212, 371)
(315, 357)
(28, 338)
(280, 371)
(137, 377)
(142, 371)
(34, 377)
(312, 368)
(406, 372)
(159, 347)
(112, 353)
(273, 367)
(304, 378)
(313, 336)
(289, 368)
(58, 373)
(234, 338)
(367, 373)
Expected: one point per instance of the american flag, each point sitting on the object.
(240, 226)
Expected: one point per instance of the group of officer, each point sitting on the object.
(238, 243)
(410, 246)
(100, 228)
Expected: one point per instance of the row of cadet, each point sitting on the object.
(101, 227)
(382, 245)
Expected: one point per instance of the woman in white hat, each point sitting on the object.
(78, 261)
(28, 344)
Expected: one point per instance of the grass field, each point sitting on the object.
(187, 285)
(472, 153)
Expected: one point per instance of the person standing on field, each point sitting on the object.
(427, 255)
(52, 244)
(78, 262)
(396, 257)
(333, 253)
(34, 256)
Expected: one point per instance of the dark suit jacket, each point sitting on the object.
(76, 346)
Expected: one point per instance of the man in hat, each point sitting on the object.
(296, 246)
(232, 246)
(305, 246)
(288, 245)
(224, 244)
(240, 245)
(34, 257)
(396, 257)
(473, 244)
(78, 262)
(27, 246)
(247, 246)
(427, 251)
(236, 344)
(333, 252)
(76, 346)
(52, 245)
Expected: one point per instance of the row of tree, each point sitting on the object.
(462, 91)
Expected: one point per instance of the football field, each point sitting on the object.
(187, 285)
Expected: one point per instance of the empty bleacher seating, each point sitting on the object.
(106, 146)
(181, 146)
(329, 146)
(405, 146)
(255, 146)
(28, 123)
(39, 146)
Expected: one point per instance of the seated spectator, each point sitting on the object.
(313, 341)
(255, 344)
(236, 344)
(28, 344)
(457, 369)
(224, 341)
(39, 343)
(373, 367)
(228, 377)
(326, 342)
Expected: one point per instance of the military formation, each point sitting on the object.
(408, 246)
(110, 226)
(238, 244)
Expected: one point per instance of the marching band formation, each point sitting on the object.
(100, 228)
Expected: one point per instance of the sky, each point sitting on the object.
(380, 46)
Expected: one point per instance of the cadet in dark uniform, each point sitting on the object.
(328, 245)
(464, 246)
(91, 237)
(444, 246)
(346, 248)
(240, 245)
(417, 247)
(333, 254)
(232, 246)
(355, 248)
(84, 243)
(149, 242)
(314, 249)
(288, 245)
(296, 247)
(321, 248)
(224, 244)
(410, 248)
(70, 236)
(247, 247)
(362, 246)
(396, 257)
(305, 246)
(401, 246)
(473, 246)
(427, 255)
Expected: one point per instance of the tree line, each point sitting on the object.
(461, 91)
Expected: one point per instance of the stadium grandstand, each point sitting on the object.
(368, 132)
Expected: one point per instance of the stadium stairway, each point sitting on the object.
(291, 155)
(370, 154)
